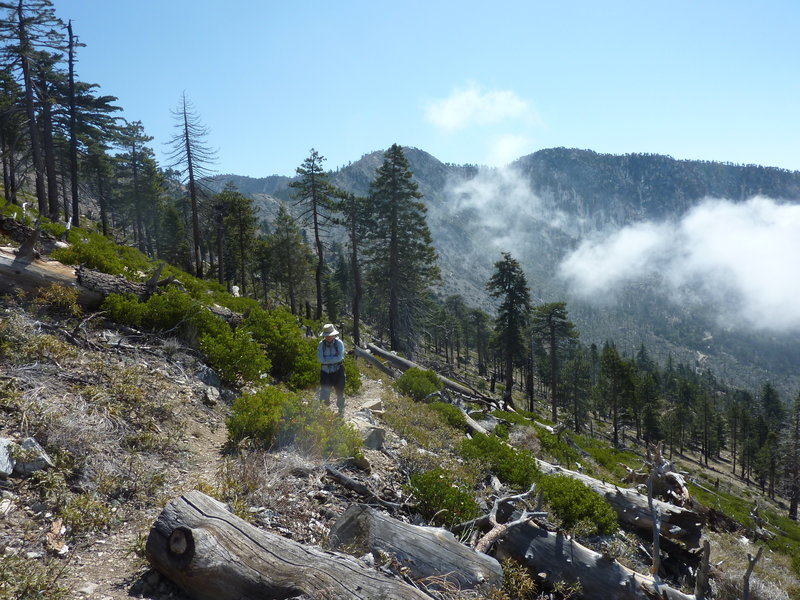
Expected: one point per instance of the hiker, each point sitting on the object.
(330, 354)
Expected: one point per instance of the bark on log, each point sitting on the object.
(45, 243)
(632, 508)
(433, 555)
(367, 355)
(405, 364)
(214, 555)
(31, 274)
(561, 559)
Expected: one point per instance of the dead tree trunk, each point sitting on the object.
(405, 364)
(633, 510)
(433, 555)
(214, 555)
(558, 558)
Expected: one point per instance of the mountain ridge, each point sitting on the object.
(545, 204)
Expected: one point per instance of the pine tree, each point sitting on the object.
(400, 254)
(353, 215)
(313, 192)
(510, 287)
(554, 331)
(240, 234)
(191, 153)
(290, 258)
(616, 388)
(33, 27)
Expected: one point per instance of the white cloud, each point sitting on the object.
(472, 105)
(504, 149)
(740, 258)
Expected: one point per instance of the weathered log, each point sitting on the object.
(558, 558)
(30, 274)
(214, 555)
(432, 555)
(632, 508)
(367, 355)
(405, 364)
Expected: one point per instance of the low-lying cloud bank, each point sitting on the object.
(742, 259)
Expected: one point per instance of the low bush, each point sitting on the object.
(418, 383)
(454, 417)
(515, 467)
(281, 338)
(60, 298)
(97, 252)
(276, 418)
(574, 503)
(441, 499)
(235, 356)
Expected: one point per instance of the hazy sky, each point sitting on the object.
(467, 81)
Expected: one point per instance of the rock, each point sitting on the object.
(6, 460)
(32, 458)
(88, 589)
(374, 406)
(371, 435)
(211, 396)
(208, 376)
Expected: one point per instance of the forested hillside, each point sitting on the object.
(547, 307)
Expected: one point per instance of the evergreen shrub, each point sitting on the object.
(97, 252)
(282, 339)
(418, 383)
(575, 502)
(513, 466)
(452, 415)
(234, 355)
(277, 418)
(441, 499)
(352, 384)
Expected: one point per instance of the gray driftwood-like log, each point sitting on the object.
(632, 508)
(432, 555)
(29, 274)
(214, 555)
(557, 558)
(405, 364)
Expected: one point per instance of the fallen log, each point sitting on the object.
(367, 355)
(632, 508)
(405, 364)
(433, 556)
(214, 555)
(557, 558)
(677, 523)
(30, 274)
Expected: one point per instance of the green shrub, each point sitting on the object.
(574, 502)
(235, 355)
(442, 500)
(418, 383)
(97, 252)
(169, 310)
(304, 372)
(515, 467)
(454, 417)
(276, 418)
(280, 335)
(352, 383)
(556, 448)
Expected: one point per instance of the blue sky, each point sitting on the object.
(469, 82)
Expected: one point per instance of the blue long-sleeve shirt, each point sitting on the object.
(330, 355)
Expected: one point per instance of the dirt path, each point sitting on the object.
(109, 568)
